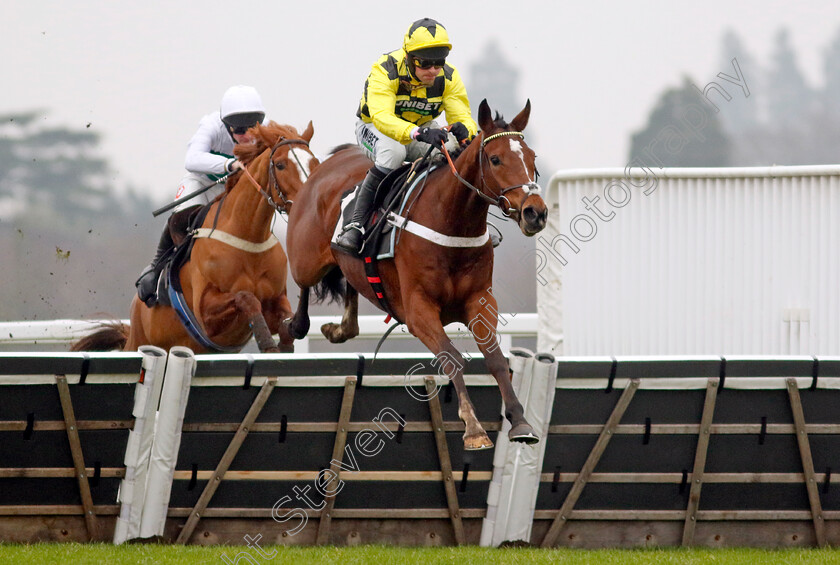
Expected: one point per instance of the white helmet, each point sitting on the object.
(241, 108)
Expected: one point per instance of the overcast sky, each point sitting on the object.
(143, 73)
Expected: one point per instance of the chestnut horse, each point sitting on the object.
(235, 280)
(428, 285)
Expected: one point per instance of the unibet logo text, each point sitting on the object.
(421, 107)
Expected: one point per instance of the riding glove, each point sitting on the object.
(432, 136)
(460, 131)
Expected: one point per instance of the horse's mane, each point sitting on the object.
(455, 154)
(265, 136)
(499, 121)
(342, 147)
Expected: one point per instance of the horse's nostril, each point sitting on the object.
(533, 216)
(533, 219)
(530, 214)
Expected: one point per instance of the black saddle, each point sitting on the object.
(178, 255)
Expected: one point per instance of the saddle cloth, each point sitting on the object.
(383, 247)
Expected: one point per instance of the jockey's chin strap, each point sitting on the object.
(285, 203)
(530, 187)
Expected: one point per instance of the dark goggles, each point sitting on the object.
(429, 63)
(240, 123)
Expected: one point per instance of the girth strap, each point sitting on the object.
(436, 237)
(237, 242)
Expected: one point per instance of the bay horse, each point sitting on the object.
(235, 278)
(428, 285)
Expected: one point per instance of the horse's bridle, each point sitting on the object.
(530, 187)
(274, 185)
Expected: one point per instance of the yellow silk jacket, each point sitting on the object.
(395, 102)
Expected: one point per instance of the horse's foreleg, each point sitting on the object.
(483, 321)
(349, 327)
(287, 342)
(248, 304)
(424, 323)
(298, 325)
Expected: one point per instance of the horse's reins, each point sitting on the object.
(532, 187)
(275, 186)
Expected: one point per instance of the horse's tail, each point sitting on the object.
(109, 337)
(332, 287)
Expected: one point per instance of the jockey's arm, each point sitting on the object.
(200, 158)
(381, 100)
(457, 105)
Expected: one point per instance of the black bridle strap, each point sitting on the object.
(297, 159)
(531, 185)
(501, 196)
(275, 186)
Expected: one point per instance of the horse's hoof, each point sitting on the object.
(294, 331)
(333, 333)
(477, 442)
(523, 433)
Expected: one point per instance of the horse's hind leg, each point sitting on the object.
(298, 325)
(136, 328)
(349, 327)
(248, 304)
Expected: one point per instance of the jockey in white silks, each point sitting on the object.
(209, 158)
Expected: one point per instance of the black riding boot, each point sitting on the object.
(147, 282)
(351, 236)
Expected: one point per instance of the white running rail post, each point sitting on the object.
(173, 402)
(132, 490)
(512, 497)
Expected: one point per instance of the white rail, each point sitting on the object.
(28, 333)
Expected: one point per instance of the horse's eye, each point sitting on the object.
(495, 160)
(279, 166)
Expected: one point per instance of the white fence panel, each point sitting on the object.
(691, 261)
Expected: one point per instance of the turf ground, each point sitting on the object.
(97, 554)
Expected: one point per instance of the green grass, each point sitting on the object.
(96, 554)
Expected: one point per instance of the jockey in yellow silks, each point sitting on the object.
(403, 94)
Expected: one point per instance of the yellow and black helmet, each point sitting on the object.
(428, 39)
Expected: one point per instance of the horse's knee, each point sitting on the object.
(247, 303)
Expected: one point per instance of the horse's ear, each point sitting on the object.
(485, 116)
(521, 119)
(307, 133)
